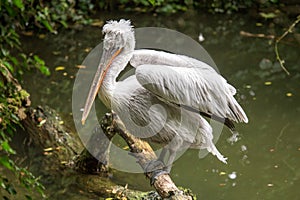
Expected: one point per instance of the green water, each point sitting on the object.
(263, 164)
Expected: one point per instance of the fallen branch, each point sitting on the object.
(95, 162)
(256, 35)
(144, 154)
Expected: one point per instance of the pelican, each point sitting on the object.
(167, 98)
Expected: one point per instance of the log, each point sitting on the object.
(65, 154)
(144, 154)
(87, 163)
(62, 150)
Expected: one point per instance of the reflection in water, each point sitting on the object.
(264, 163)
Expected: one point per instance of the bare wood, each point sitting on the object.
(256, 35)
(95, 159)
(144, 154)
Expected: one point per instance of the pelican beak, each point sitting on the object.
(106, 60)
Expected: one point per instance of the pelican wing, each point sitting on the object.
(187, 82)
(145, 56)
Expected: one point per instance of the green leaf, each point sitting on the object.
(38, 60)
(64, 23)
(7, 148)
(4, 52)
(268, 15)
(47, 25)
(14, 60)
(14, 117)
(9, 66)
(10, 129)
(44, 70)
(40, 64)
(19, 4)
(5, 161)
(152, 2)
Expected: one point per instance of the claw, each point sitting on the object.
(154, 165)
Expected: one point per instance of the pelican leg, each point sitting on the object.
(172, 155)
(162, 155)
(176, 144)
(158, 167)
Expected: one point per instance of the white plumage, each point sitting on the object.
(164, 99)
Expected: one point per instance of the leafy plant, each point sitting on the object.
(159, 6)
(11, 99)
(16, 16)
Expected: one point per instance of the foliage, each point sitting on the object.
(51, 15)
(159, 6)
(173, 6)
(222, 6)
(17, 16)
(11, 99)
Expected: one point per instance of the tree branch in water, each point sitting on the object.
(289, 30)
(144, 154)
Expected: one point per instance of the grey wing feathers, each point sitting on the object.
(200, 88)
(145, 56)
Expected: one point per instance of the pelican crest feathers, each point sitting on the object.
(120, 27)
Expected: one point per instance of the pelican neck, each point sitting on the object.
(110, 81)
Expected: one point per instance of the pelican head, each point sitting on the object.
(118, 40)
(118, 35)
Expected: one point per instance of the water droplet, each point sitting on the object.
(234, 138)
(243, 148)
(232, 176)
